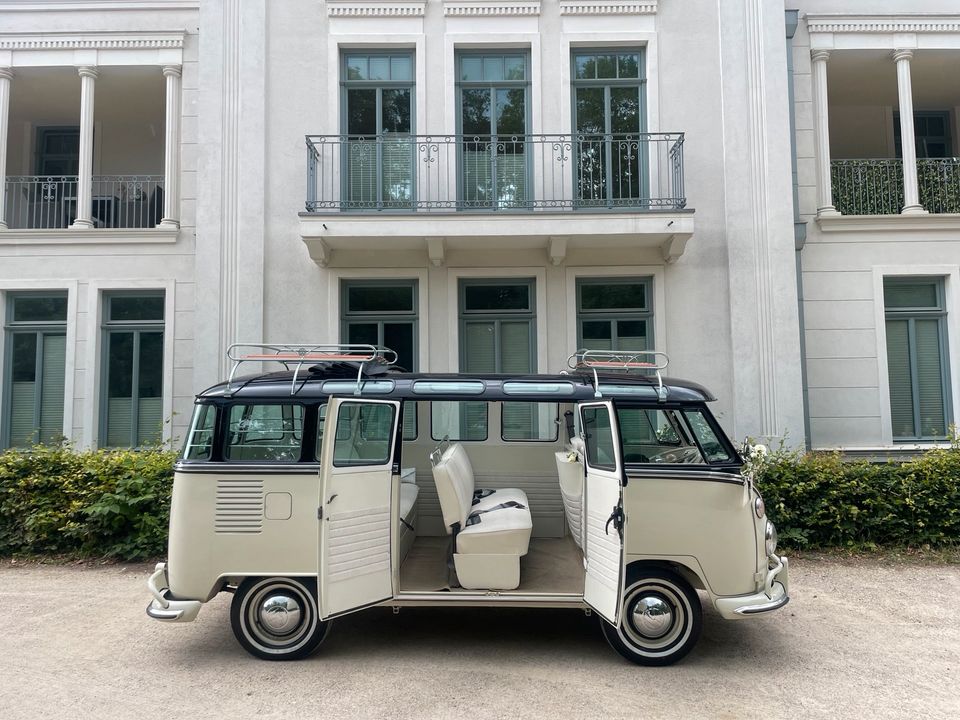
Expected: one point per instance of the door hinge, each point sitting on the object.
(320, 513)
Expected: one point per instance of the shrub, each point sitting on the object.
(110, 503)
(820, 500)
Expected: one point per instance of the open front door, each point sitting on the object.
(603, 496)
(356, 462)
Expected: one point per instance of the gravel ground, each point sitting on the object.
(860, 640)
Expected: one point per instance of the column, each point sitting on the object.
(822, 133)
(911, 193)
(171, 153)
(6, 75)
(84, 220)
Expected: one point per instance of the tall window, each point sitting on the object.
(498, 335)
(917, 358)
(58, 150)
(377, 119)
(615, 313)
(931, 131)
(609, 108)
(493, 100)
(383, 313)
(36, 338)
(132, 406)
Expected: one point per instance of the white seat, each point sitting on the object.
(570, 472)
(409, 517)
(489, 537)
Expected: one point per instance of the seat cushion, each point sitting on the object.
(498, 497)
(504, 531)
(408, 498)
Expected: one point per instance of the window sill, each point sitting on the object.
(112, 236)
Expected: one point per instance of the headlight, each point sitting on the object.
(770, 543)
(759, 507)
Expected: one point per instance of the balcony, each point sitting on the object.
(47, 202)
(520, 191)
(875, 187)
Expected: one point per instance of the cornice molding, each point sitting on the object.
(883, 23)
(485, 8)
(608, 7)
(375, 8)
(88, 238)
(92, 41)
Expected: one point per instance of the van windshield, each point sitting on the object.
(667, 436)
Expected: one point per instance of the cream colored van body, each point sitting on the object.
(309, 504)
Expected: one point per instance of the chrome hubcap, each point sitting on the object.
(280, 614)
(652, 616)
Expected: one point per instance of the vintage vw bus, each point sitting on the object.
(342, 483)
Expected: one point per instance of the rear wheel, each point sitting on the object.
(277, 618)
(660, 621)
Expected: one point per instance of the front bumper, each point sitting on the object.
(163, 607)
(775, 594)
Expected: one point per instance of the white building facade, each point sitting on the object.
(483, 185)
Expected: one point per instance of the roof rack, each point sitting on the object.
(298, 355)
(629, 360)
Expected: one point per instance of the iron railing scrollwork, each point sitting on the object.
(875, 186)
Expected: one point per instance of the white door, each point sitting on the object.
(356, 460)
(603, 498)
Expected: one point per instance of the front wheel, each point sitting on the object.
(660, 621)
(277, 618)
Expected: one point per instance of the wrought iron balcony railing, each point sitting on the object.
(444, 173)
(875, 187)
(45, 202)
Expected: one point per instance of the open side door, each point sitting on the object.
(356, 468)
(603, 498)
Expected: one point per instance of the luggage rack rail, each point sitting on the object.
(629, 360)
(298, 355)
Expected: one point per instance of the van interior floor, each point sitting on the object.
(551, 565)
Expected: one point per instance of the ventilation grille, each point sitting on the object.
(239, 506)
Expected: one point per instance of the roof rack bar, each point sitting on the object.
(287, 354)
(629, 360)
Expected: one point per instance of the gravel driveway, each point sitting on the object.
(859, 640)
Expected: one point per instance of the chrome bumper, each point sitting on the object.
(775, 594)
(164, 608)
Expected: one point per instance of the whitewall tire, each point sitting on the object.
(277, 618)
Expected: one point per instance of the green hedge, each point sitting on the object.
(821, 500)
(54, 500)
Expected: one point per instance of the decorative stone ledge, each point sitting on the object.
(608, 7)
(888, 224)
(919, 23)
(97, 5)
(92, 41)
(375, 8)
(112, 236)
(490, 8)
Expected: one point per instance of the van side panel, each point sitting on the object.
(710, 520)
(228, 524)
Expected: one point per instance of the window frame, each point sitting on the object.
(493, 85)
(613, 316)
(911, 314)
(137, 327)
(38, 328)
(223, 418)
(529, 314)
(921, 139)
(379, 86)
(608, 201)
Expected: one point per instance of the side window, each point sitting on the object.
(536, 422)
(364, 434)
(321, 421)
(271, 433)
(458, 420)
(598, 438)
(712, 447)
(200, 439)
(654, 435)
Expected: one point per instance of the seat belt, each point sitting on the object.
(474, 518)
(479, 495)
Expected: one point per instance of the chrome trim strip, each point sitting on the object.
(161, 614)
(493, 599)
(218, 468)
(683, 474)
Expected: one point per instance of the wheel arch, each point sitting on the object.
(687, 568)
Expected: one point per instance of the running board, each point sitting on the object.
(487, 599)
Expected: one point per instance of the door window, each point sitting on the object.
(364, 434)
(598, 438)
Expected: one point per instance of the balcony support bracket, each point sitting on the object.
(319, 251)
(557, 250)
(673, 247)
(435, 250)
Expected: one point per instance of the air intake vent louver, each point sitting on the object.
(239, 506)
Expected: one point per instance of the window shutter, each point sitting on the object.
(363, 173)
(901, 386)
(397, 172)
(149, 421)
(479, 347)
(52, 388)
(119, 421)
(930, 379)
(515, 346)
(22, 397)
